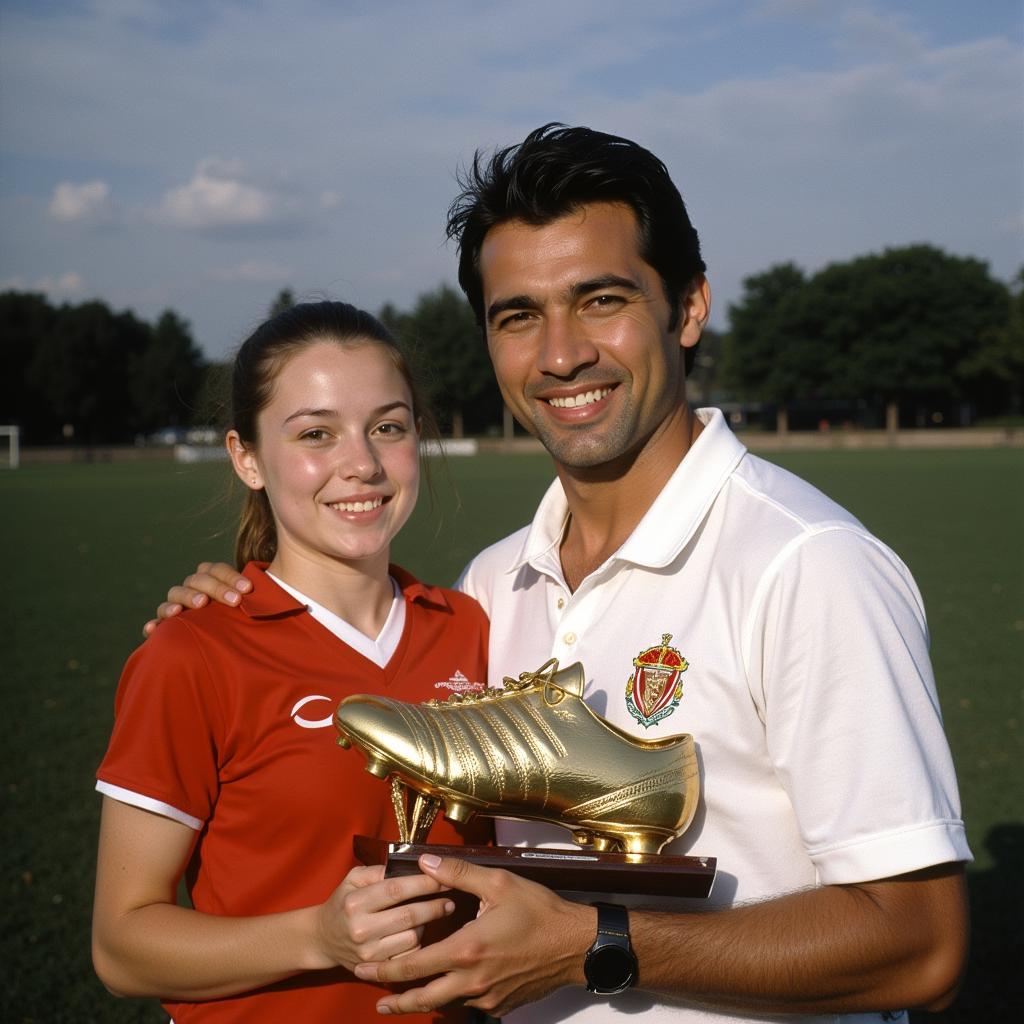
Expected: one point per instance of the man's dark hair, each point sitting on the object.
(556, 170)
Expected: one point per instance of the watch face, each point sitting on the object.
(609, 969)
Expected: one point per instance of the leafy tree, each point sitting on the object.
(213, 398)
(446, 342)
(767, 354)
(166, 375)
(25, 320)
(900, 327)
(109, 376)
(993, 372)
(81, 370)
(285, 300)
(903, 322)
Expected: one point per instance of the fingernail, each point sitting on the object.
(363, 972)
(431, 860)
(232, 598)
(449, 907)
(384, 1011)
(243, 584)
(198, 601)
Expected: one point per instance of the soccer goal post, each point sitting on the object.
(10, 451)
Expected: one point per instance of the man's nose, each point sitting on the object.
(565, 347)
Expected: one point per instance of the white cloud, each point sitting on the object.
(864, 31)
(797, 129)
(69, 285)
(253, 272)
(221, 200)
(88, 203)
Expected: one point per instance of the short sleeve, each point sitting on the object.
(167, 724)
(851, 714)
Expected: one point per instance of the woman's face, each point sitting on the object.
(338, 454)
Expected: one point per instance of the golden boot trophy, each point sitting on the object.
(534, 750)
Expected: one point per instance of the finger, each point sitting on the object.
(437, 958)
(167, 610)
(390, 892)
(150, 628)
(438, 993)
(400, 930)
(197, 590)
(226, 574)
(463, 875)
(362, 876)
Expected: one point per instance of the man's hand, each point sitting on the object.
(524, 943)
(898, 942)
(215, 580)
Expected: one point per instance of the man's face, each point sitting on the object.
(578, 331)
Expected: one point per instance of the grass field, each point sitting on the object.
(89, 549)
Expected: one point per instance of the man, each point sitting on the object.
(829, 795)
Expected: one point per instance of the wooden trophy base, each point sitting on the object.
(645, 874)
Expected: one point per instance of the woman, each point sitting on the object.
(222, 767)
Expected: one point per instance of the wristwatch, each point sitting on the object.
(610, 966)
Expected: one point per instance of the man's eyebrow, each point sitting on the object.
(576, 291)
(596, 284)
(499, 306)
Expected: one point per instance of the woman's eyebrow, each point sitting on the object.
(333, 413)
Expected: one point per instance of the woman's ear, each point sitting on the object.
(244, 460)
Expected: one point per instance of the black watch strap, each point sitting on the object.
(611, 966)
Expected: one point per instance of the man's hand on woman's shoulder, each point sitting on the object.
(216, 580)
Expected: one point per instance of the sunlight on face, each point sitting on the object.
(338, 454)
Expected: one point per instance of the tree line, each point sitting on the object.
(929, 336)
(85, 373)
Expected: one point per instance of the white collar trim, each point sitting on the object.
(379, 651)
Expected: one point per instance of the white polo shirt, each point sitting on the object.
(808, 687)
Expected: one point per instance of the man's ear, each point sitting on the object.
(244, 460)
(695, 308)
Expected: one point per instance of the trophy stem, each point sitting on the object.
(414, 820)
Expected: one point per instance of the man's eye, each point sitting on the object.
(513, 319)
(607, 300)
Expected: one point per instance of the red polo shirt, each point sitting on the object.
(226, 717)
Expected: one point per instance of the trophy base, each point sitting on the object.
(645, 874)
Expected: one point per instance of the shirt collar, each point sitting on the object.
(267, 600)
(670, 521)
(416, 591)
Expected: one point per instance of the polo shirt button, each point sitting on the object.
(569, 638)
(560, 603)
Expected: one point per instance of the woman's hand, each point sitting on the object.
(368, 918)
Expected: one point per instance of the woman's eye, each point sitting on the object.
(391, 429)
(316, 434)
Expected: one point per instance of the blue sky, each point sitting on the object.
(202, 154)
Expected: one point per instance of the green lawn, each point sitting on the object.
(89, 549)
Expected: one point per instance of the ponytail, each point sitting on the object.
(256, 540)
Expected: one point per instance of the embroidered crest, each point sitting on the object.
(655, 688)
